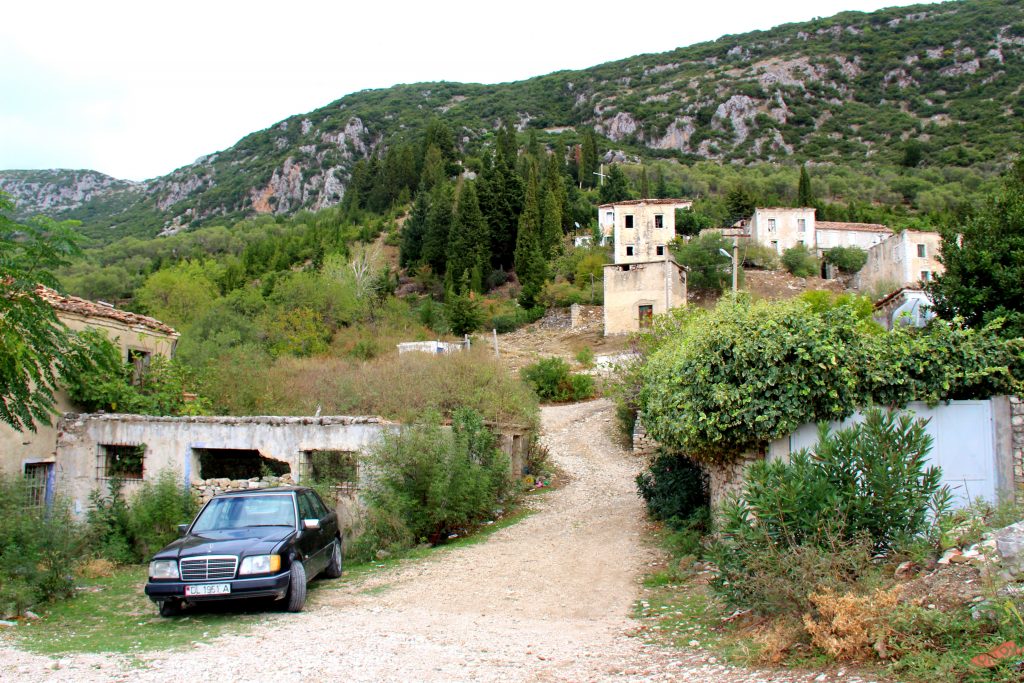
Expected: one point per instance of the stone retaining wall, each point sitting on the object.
(1017, 444)
(208, 488)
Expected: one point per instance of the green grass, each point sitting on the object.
(112, 614)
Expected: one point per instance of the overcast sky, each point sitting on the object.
(136, 89)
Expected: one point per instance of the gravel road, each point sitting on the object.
(547, 599)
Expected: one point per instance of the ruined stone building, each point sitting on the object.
(139, 338)
(644, 279)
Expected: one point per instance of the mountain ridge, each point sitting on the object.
(854, 88)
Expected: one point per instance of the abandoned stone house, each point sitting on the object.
(901, 260)
(644, 279)
(139, 338)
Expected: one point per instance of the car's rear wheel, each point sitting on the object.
(333, 570)
(296, 599)
(170, 608)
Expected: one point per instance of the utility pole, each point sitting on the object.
(601, 174)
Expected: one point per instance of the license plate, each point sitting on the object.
(208, 589)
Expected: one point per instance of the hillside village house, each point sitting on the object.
(139, 338)
(644, 279)
(903, 259)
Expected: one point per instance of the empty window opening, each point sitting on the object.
(922, 251)
(237, 463)
(775, 246)
(629, 251)
(926, 275)
(339, 469)
(609, 217)
(801, 224)
(629, 220)
(660, 250)
(139, 361)
(771, 225)
(120, 461)
(659, 220)
(646, 315)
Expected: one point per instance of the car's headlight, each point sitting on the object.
(163, 569)
(260, 564)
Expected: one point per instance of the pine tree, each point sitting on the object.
(508, 148)
(531, 268)
(433, 169)
(615, 188)
(805, 196)
(468, 242)
(413, 231)
(645, 190)
(501, 200)
(439, 221)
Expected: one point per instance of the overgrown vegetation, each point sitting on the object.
(847, 259)
(552, 380)
(429, 483)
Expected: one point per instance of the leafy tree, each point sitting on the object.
(847, 259)
(740, 203)
(804, 194)
(707, 267)
(984, 259)
(913, 153)
(37, 352)
(615, 187)
(800, 261)
(181, 293)
(692, 221)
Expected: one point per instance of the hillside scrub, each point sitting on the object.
(397, 387)
(552, 380)
(744, 374)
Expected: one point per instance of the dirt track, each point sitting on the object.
(547, 599)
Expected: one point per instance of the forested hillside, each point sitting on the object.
(931, 93)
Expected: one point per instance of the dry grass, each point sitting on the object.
(97, 568)
(851, 626)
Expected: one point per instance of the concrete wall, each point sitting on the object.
(780, 227)
(20, 448)
(171, 442)
(848, 237)
(659, 284)
(896, 261)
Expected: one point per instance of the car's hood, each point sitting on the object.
(241, 542)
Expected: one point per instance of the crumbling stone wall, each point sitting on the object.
(1017, 444)
(208, 488)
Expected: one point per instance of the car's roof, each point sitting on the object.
(275, 489)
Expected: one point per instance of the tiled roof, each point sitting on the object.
(856, 227)
(92, 309)
(635, 202)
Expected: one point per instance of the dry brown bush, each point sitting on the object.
(851, 626)
(97, 568)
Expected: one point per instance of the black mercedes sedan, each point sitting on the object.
(248, 544)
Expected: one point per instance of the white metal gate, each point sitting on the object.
(964, 446)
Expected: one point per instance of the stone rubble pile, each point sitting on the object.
(207, 489)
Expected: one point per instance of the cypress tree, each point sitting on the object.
(501, 200)
(439, 221)
(588, 158)
(411, 250)
(660, 187)
(645, 190)
(433, 169)
(531, 268)
(468, 242)
(805, 196)
(615, 188)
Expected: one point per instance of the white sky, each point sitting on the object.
(136, 89)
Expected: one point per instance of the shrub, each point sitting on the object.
(129, 532)
(436, 482)
(708, 268)
(867, 488)
(799, 261)
(850, 626)
(847, 259)
(674, 488)
(585, 357)
(562, 295)
(521, 316)
(551, 380)
(39, 549)
(760, 256)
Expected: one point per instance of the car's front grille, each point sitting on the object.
(209, 568)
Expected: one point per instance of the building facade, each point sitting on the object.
(906, 258)
(644, 280)
(782, 228)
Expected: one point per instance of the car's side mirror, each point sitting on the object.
(311, 524)
(182, 528)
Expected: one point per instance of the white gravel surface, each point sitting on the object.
(547, 599)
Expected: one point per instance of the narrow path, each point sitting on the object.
(547, 599)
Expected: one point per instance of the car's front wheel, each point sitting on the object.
(333, 570)
(296, 598)
(170, 608)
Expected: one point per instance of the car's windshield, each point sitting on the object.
(237, 512)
